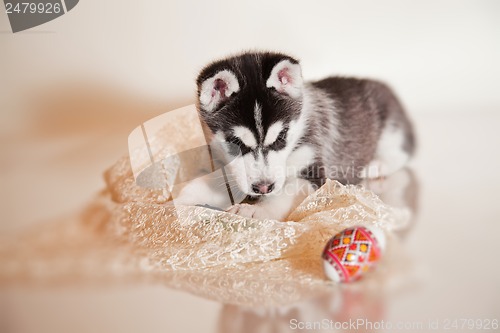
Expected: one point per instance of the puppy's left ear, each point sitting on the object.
(286, 77)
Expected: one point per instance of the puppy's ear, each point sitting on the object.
(286, 77)
(217, 88)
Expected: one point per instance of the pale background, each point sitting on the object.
(71, 91)
(439, 54)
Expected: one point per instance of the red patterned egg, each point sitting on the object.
(352, 252)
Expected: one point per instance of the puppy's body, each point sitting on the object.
(357, 126)
(291, 136)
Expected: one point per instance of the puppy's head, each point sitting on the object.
(251, 103)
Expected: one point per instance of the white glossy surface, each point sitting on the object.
(442, 58)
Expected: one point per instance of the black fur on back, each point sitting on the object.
(361, 109)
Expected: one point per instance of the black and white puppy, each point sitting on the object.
(292, 135)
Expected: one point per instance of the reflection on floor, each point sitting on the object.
(78, 254)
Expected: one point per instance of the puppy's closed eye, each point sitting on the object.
(280, 142)
(236, 146)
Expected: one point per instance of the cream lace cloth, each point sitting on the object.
(129, 233)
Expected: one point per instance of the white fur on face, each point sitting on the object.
(253, 168)
(286, 77)
(236, 170)
(258, 119)
(273, 132)
(246, 136)
(210, 96)
(271, 169)
(274, 168)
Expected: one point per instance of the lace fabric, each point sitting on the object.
(183, 237)
(135, 233)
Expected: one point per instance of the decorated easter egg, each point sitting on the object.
(352, 252)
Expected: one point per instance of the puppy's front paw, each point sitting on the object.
(246, 210)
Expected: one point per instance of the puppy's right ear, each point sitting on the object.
(217, 89)
(286, 78)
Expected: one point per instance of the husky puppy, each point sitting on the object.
(292, 135)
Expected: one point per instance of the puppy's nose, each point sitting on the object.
(263, 188)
